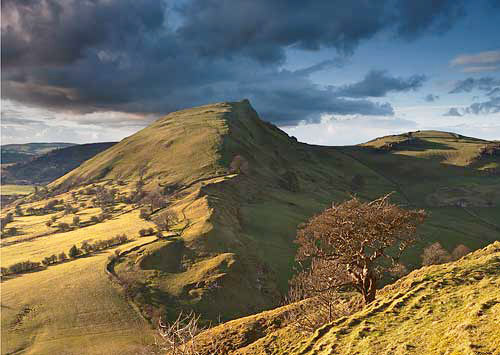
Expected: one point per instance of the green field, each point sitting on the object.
(16, 189)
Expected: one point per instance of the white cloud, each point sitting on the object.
(479, 62)
(347, 130)
(24, 124)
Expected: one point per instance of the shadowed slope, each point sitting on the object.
(52, 165)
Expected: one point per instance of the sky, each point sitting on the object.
(330, 72)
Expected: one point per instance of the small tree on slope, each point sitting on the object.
(354, 243)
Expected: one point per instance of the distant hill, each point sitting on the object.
(15, 153)
(233, 188)
(49, 166)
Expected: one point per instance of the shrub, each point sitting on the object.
(9, 217)
(23, 266)
(460, 251)
(76, 221)
(4, 271)
(51, 204)
(94, 219)
(435, 254)
(62, 257)
(86, 247)
(10, 232)
(19, 210)
(144, 214)
(63, 227)
(146, 231)
(48, 223)
(74, 252)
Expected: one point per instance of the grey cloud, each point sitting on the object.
(492, 105)
(378, 83)
(489, 86)
(452, 112)
(420, 16)
(469, 84)
(153, 57)
(431, 98)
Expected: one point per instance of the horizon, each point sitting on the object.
(98, 72)
(287, 130)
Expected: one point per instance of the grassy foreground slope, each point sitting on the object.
(446, 309)
(442, 309)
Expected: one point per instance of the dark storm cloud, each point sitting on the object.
(150, 56)
(378, 83)
(422, 15)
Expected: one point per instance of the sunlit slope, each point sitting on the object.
(449, 148)
(176, 149)
(446, 309)
(443, 309)
(70, 308)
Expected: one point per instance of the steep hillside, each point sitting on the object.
(16, 153)
(52, 165)
(443, 309)
(234, 189)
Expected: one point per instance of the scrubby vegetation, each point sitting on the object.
(86, 248)
(436, 254)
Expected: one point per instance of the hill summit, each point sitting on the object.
(182, 147)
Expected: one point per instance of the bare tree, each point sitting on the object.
(460, 251)
(313, 303)
(435, 254)
(352, 244)
(179, 337)
(165, 220)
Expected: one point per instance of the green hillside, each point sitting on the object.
(15, 153)
(442, 309)
(47, 167)
(237, 187)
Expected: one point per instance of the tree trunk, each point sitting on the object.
(368, 288)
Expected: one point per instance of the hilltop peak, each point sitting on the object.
(189, 144)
